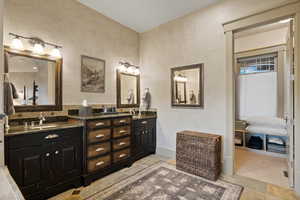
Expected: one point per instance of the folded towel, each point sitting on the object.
(267, 130)
(272, 122)
(9, 108)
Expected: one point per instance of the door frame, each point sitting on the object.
(261, 18)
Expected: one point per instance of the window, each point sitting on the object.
(258, 64)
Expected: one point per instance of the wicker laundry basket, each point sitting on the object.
(199, 154)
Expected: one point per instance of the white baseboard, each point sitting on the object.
(169, 153)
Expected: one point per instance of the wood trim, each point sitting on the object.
(58, 80)
(119, 103)
(201, 85)
(230, 105)
(259, 51)
(264, 17)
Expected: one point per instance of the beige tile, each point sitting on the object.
(261, 167)
(252, 195)
(283, 193)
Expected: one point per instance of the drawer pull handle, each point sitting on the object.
(99, 163)
(144, 122)
(99, 136)
(122, 155)
(99, 149)
(47, 154)
(56, 152)
(122, 143)
(122, 121)
(51, 136)
(122, 131)
(100, 124)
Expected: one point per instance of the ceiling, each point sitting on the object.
(143, 15)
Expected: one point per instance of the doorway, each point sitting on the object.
(264, 103)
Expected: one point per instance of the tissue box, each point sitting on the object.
(85, 111)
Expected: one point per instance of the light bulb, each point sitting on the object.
(136, 71)
(131, 70)
(122, 68)
(55, 53)
(17, 44)
(38, 48)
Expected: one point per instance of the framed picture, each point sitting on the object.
(92, 74)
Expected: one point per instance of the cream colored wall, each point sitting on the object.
(80, 30)
(261, 40)
(195, 38)
(1, 84)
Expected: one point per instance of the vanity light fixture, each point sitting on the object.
(180, 78)
(17, 44)
(56, 52)
(37, 43)
(126, 67)
(38, 48)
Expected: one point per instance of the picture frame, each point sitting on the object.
(92, 74)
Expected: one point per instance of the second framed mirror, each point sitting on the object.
(128, 90)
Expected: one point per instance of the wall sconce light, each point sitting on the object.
(17, 44)
(37, 43)
(126, 67)
(180, 78)
(56, 52)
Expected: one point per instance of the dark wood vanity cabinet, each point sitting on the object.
(108, 146)
(45, 163)
(144, 138)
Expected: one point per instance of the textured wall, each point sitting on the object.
(1, 84)
(195, 38)
(80, 30)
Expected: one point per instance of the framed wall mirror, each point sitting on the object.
(128, 90)
(36, 81)
(187, 86)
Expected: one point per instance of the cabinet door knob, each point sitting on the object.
(99, 163)
(99, 136)
(51, 136)
(99, 149)
(47, 154)
(56, 152)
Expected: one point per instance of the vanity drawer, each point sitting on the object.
(98, 124)
(121, 131)
(122, 121)
(98, 149)
(98, 163)
(99, 135)
(121, 143)
(121, 155)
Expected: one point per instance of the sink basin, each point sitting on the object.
(43, 127)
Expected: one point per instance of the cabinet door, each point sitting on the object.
(151, 136)
(138, 140)
(25, 166)
(67, 159)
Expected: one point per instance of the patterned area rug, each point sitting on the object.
(164, 182)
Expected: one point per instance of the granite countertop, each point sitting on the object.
(104, 116)
(8, 188)
(17, 130)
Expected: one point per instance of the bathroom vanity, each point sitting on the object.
(49, 159)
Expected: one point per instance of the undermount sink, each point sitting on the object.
(43, 126)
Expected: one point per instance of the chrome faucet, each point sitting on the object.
(42, 118)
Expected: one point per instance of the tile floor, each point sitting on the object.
(253, 189)
(261, 167)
